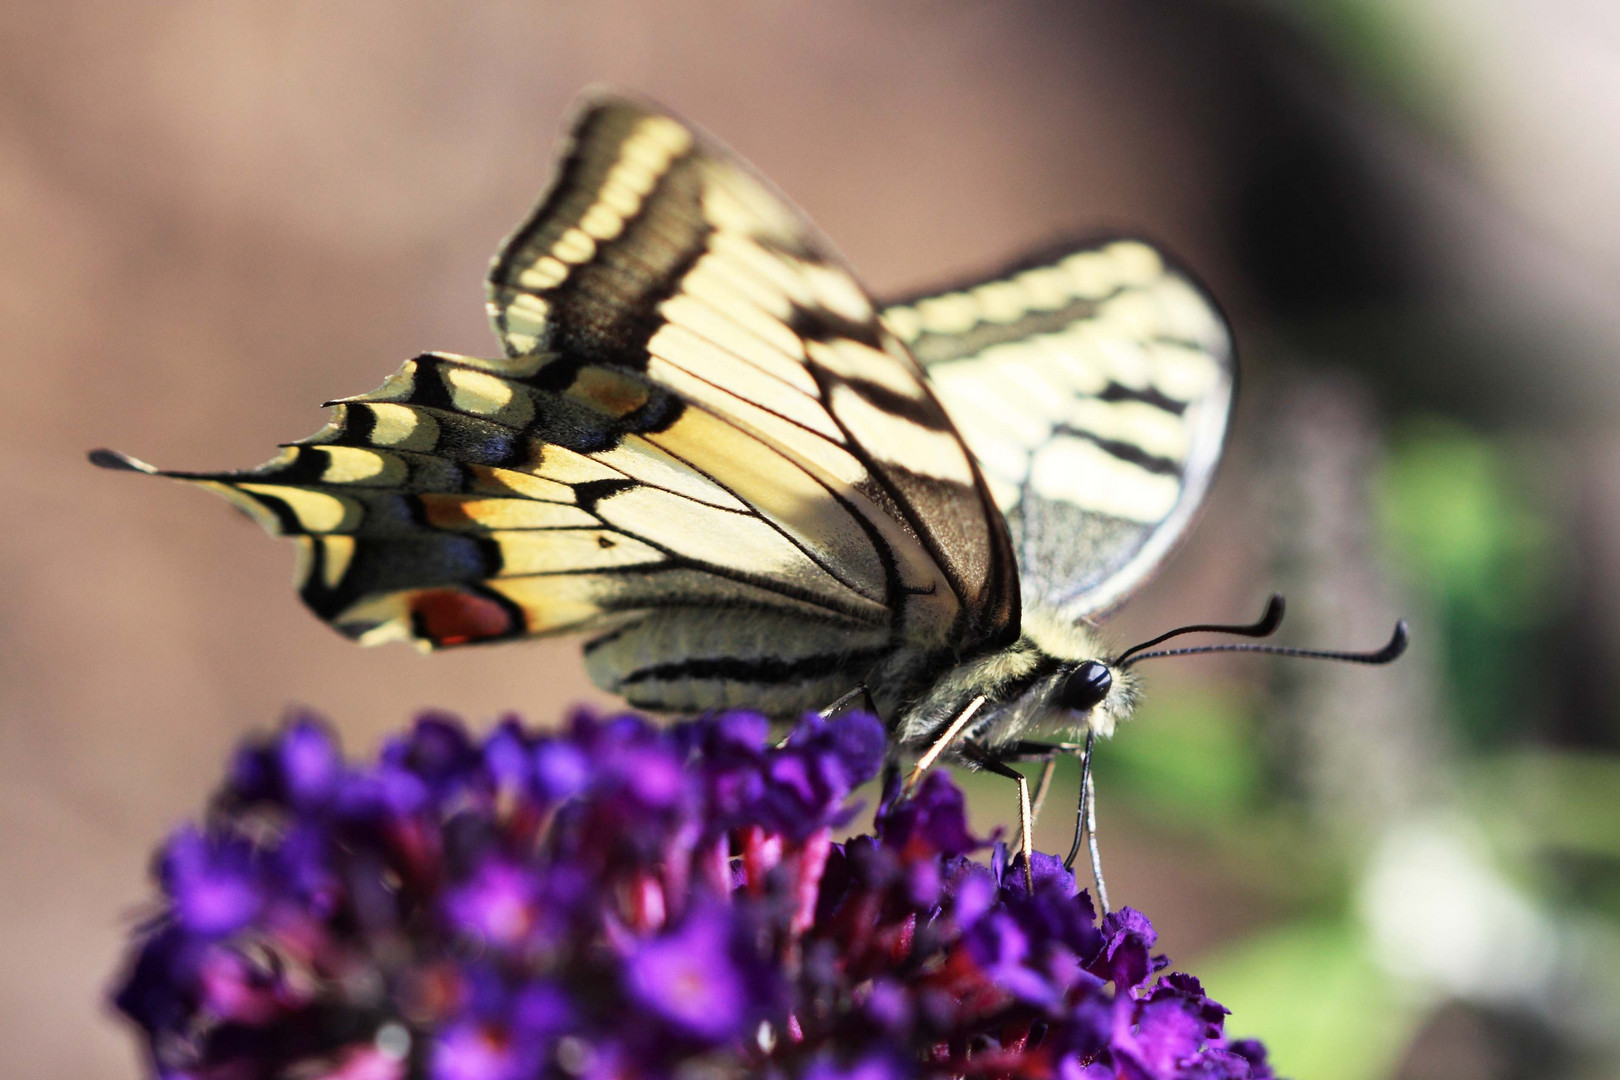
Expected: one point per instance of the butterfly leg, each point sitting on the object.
(1047, 754)
(861, 691)
(952, 732)
(1085, 817)
(1026, 824)
(1043, 787)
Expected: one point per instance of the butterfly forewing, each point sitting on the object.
(1093, 384)
(658, 253)
(703, 447)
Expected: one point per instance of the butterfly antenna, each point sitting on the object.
(1391, 651)
(1265, 626)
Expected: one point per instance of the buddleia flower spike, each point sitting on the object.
(621, 899)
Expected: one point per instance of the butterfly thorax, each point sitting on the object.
(1028, 687)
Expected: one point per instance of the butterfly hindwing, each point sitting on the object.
(1093, 384)
(703, 448)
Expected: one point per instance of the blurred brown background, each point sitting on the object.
(217, 215)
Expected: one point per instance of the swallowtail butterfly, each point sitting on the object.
(709, 452)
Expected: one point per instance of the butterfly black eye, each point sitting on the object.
(1085, 687)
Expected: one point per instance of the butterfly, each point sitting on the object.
(709, 452)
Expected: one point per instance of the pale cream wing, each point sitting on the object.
(1093, 384)
(659, 255)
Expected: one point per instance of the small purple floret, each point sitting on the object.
(309, 761)
(690, 979)
(1124, 960)
(211, 882)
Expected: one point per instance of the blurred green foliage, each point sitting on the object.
(1194, 759)
(1457, 510)
(1394, 48)
(1556, 817)
(1312, 990)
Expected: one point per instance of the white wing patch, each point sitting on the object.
(1077, 471)
(1093, 389)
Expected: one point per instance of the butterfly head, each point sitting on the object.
(1087, 691)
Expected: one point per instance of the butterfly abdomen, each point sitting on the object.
(688, 659)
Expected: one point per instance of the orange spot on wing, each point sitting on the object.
(453, 617)
(613, 393)
(446, 512)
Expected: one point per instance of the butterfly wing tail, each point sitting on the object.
(372, 588)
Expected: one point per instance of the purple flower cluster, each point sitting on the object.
(620, 900)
